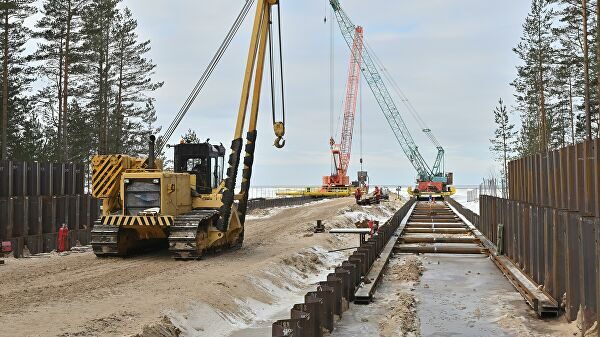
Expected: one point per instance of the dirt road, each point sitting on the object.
(81, 295)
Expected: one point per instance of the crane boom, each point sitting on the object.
(341, 151)
(385, 101)
(351, 96)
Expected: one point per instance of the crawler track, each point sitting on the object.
(105, 240)
(187, 231)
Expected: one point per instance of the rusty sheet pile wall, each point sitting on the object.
(558, 249)
(568, 178)
(37, 198)
(551, 224)
(320, 308)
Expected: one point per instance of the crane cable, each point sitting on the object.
(360, 114)
(205, 76)
(331, 83)
(403, 98)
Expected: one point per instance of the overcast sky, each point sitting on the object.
(452, 59)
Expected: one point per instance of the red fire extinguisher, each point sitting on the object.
(63, 238)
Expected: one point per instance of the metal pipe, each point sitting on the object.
(437, 230)
(151, 156)
(350, 231)
(433, 249)
(439, 225)
(434, 239)
(339, 250)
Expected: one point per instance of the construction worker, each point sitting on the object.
(377, 193)
(357, 194)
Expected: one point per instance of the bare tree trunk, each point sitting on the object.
(563, 127)
(5, 89)
(586, 70)
(119, 109)
(106, 84)
(60, 94)
(544, 123)
(101, 124)
(571, 113)
(65, 143)
(505, 150)
(543, 133)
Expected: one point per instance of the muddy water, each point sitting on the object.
(464, 295)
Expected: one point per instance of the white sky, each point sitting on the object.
(452, 59)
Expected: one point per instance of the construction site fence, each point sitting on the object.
(37, 198)
(567, 178)
(558, 249)
(261, 203)
(492, 186)
(317, 314)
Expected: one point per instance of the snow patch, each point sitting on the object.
(285, 285)
(461, 198)
(269, 212)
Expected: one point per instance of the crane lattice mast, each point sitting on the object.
(388, 106)
(341, 151)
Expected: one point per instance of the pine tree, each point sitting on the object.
(120, 81)
(536, 52)
(190, 137)
(98, 19)
(586, 66)
(28, 148)
(503, 145)
(59, 55)
(569, 32)
(568, 71)
(16, 76)
(134, 113)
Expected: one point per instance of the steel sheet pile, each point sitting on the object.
(332, 296)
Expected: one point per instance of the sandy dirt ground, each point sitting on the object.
(82, 295)
(393, 311)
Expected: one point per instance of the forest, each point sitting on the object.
(76, 80)
(557, 83)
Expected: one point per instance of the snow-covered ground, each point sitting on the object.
(270, 192)
(264, 213)
(461, 197)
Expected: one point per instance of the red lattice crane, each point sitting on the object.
(341, 151)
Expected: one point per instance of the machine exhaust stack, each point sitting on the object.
(151, 158)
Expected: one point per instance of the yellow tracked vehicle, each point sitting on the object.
(193, 208)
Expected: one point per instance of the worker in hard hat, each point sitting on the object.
(357, 194)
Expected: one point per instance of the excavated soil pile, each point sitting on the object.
(401, 318)
(401, 313)
(410, 269)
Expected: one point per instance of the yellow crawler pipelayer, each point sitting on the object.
(194, 207)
